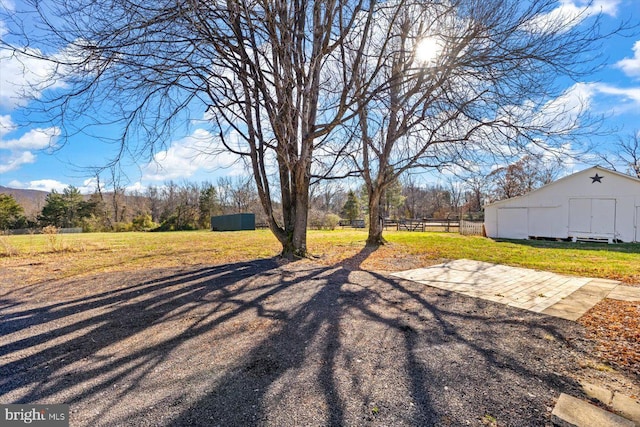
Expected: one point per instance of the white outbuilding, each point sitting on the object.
(594, 204)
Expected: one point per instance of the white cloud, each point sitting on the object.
(570, 13)
(34, 139)
(18, 151)
(6, 125)
(599, 98)
(197, 152)
(7, 4)
(88, 186)
(559, 115)
(26, 72)
(627, 94)
(41, 184)
(136, 187)
(563, 113)
(631, 66)
(15, 160)
(24, 76)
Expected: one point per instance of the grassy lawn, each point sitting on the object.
(57, 256)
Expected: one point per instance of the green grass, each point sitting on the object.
(617, 261)
(73, 254)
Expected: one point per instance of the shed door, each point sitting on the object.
(593, 216)
(580, 215)
(603, 216)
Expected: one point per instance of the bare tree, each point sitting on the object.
(453, 82)
(412, 195)
(475, 185)
(257, 71)
(626, 155)
(108, 224)
(118, 200)
(327, 196)
(154, 196)
(456, 194)
(519, 178)
(426, 201)
(237, 195)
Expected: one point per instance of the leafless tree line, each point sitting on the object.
(175, 205)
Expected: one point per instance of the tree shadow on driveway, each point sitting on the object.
(297, 344)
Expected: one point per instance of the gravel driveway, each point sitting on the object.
(298, 344)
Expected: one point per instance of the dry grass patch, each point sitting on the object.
(35, 260)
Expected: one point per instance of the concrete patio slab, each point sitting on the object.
(557, 295)
(627, 406)
(625, 293)
(580, 301)
(572, 412)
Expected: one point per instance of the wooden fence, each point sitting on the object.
(468, 228)
(472, 228)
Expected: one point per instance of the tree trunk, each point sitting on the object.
(295, 195)
(375, 221)
(294, 237)
(299, 237)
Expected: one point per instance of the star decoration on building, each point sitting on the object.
(596, 178)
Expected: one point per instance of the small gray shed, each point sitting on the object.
(594, 204)
(234, 222)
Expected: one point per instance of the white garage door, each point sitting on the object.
(592, 216)
(543, 222)
(512, 223)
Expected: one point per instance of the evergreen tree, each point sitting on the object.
(208, 204)
(54, 210)
(351, 208)
(67, 209)
(75, 207)
(11, 213)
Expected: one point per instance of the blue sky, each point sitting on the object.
(33, 156)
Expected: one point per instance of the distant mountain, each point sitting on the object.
(22, 193)
(31, 201)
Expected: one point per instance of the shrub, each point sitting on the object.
(322, 220)
(6, 248)
(94, 224)
(173, 223)
(55, 243)
(331, 221)
(120, 227)
(143, 222)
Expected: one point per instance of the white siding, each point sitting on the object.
(638, 224)
(512, 223)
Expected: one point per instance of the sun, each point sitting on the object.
(427, 50)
